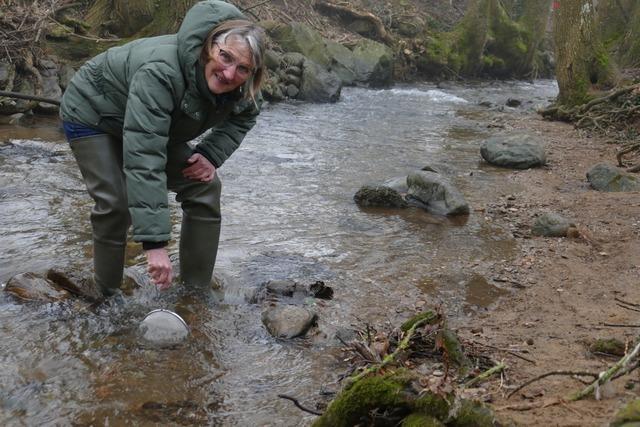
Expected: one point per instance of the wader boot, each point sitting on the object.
(200, 231)
(100, 160)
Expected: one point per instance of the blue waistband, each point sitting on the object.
(74, 130)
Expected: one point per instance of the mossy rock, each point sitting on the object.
(453, 347)
(390, 393)
(430, 315)
(421, 420)
(611, 346)
(472, 414)
(628, 415)
(433, 405)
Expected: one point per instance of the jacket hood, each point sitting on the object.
(197, 23)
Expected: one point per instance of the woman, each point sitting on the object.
(128, 114)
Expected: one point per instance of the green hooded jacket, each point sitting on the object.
(148, 93)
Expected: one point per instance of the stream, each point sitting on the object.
(288, 213)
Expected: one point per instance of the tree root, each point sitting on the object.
(613, 112)
(351, 14)
(486, 374)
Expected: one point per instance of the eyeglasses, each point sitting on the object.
(227, 60)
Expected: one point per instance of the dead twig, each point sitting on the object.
(299, 405)
(549, 374)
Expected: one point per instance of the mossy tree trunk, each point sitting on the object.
(583, 66)
(533, 16)
(137, 18)
(489, 42)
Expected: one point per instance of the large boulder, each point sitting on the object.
(513, 151)
(370, 63)
(603, 177)
(373, 64)
(297, 37)
(437, 193)
(319, 85)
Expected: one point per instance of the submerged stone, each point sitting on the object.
(389, 194)
(514, 151)
(288, 321)
(603, 177)
(35, 287)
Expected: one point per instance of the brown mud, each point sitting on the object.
(566, 289)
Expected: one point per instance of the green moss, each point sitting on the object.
(421, 420)
(453, 348)
(432, 404)
(472, 414)
(430, 316)
(608, 346)
(628, 414)
(354, 405)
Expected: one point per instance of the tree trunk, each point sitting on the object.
(534, 16)
(583, 65)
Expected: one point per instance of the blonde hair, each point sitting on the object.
(254, 36)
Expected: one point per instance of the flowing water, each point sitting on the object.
(288, 213)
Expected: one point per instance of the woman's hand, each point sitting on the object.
(159, 267)
(200, 169)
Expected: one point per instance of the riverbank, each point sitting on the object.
(566, 289)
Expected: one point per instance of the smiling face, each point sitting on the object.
(229, 66)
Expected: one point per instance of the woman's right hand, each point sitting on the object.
(159, 267)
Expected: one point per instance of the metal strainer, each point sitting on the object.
(163, 327)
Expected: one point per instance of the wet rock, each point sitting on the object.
(346, 335)
(319, 85)
(515, 152)
(551, 224)
(390, 194)
(320, 290)
(288, 321)
(512, 102)
(84, 288)
(441, 168)
(611, 346)
(285, 288)
(292, 91)
(35, 287)
(437, 193)
(603, 177)
(18, 119)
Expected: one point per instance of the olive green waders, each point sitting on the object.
(100, 160)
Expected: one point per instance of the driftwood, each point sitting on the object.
(350, 14)
(28, 97)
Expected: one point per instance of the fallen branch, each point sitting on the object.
(299, 405)
(486, 374)
(606, 376)
(549, 374)
(351, 15)
(28, 97)
(391, 357)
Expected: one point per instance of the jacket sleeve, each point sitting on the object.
(146, 133)
(224, 139)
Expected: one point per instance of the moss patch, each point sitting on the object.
(429, 315)
(472, 414)
(611, 346)
(355, 404)
(628, 414)
(420, 420)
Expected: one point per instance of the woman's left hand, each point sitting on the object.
(199, 169)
